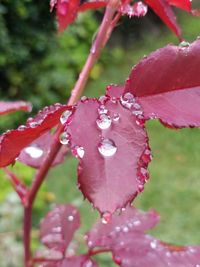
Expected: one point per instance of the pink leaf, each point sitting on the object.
(58, 227)
(105, 136)
(79, 261)
(12, 142)
(167, 84)
(131, 247)
(165, 12)
(8, 107)
(34, 154)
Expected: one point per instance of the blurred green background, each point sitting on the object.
(38, 65)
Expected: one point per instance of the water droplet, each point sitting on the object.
(64, 118)
(184, 44)
(88, 263)
(106, 217)
(117, 228)
(22, 127)
(107, 148)
(34, 152)
(70, 218)
(84, 98)
(136, 106)
(115, 117)
(90, 244)
(127, 100)
(125, 229)
(137, 112)
(33, 124)
(56, 229)
(80, 152)
(103, 122)
(102, 110)
(102, 99)
(64, 138)
(153, 244)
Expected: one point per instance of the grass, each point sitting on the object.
(173, 189)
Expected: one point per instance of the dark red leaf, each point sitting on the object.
(58, 227)
(92, 4)
(131, 247)
(34, 154)
(105, 135)
(8, 107)
(167, 84)
(130, 220)
(165, 12)
(12, 142)
(66, 12)
(80, 261)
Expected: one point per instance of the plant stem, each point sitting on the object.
(99, 43)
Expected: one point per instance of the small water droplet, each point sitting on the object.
(102, 110)
(90, 244)
(127, 100)
(34, 152)
(153, 244)
(80, 151)
(22, 127)
(125, 229)
(184, 44)
(102, 99)
(137, 112)
(56, 229)
(116, 117)
(106, 217)
(64, 118)
(84, 98)
(70, 218)
(136, 106)
(33, 124)
(107, 148)
(103, 122)
(64, 138)
(117, 228)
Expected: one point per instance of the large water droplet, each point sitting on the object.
(103, 122)
(34, 152)
(107, 148)
(127, 100)
(106, 217)
(64, 138)
(64, 118)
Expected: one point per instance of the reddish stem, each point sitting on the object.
(100, 41)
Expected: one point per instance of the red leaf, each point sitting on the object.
(131, 247)
(34, 154)
(92, 4)
(8, 107)
(165, 12)
(104, 136)
(167, 84)
(79, 261)
(184, 4)
(66, 12)
(12, 142)
(58, 227)
(130, 220)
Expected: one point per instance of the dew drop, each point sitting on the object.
(70, 218)
(84, 98)
(107, 148)
(125, 229)
(106, 217)
(102, 110)
(90, 244)
(137, 112)
(22, 127)
(64, 118)
(184, 44)
(64, 138)
(127, 100)
(116, 117)
(117, 228)
(103, 122)
(34, 152)
(136, 106)
(79, 151)
(102, 99)
(33, 124)
(153, 244)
